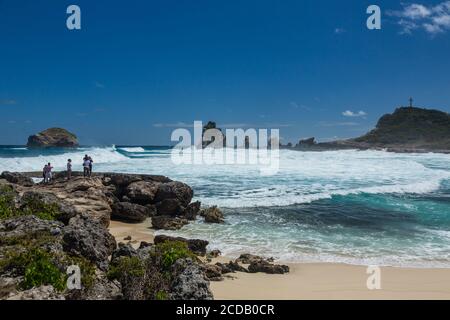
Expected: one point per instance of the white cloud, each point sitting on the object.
(339, 30)
(432, 19)
(349, 113)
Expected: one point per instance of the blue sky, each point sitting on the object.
(139, 69)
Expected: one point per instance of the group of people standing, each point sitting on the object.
(87, 169)
(87, 166)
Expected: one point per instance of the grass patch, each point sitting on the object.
(7, 208)
(38, 268)
(161, 295)
(171, 251)
(31, 206)
(126, 267)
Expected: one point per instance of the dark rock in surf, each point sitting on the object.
(168, 222)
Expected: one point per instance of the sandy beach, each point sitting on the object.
(314, 280)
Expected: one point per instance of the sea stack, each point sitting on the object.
(53, 137)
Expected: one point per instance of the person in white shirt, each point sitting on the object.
(86, 165)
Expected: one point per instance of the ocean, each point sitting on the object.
(357, 207)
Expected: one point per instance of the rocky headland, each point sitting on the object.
(45, 228)
(407, 129)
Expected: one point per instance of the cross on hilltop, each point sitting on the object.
(411, 102)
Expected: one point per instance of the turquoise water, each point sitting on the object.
(360, 207)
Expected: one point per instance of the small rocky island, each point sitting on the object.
(46, 228)
(408, 129)
(53, 137)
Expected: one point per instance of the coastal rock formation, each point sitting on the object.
(189, 282)
(410, 127)
(255, 264)
(45, 228)
(195, 245)
(130, 198)
(266, 267)
(407, 129)
(142, 192)
(87, 238)
(53, 137)
(212, 215)
(130, 212)
(247, 258)
(306, 142)
(17, 178)
(168, 222)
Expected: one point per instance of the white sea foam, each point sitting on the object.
(133, 149)
(36, 163)
(304, 177)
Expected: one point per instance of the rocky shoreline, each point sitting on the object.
(47, 228)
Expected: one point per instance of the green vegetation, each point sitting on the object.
(151, 276)
(31, 206)
(126, 267)
(171, 251)
(37, 266)
(161, 295)
(7, 208)
(30, 240)
(44, 211)
(87, 270)
(27, 257)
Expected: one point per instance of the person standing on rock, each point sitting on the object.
(69, 169)
(48, 173)
(90, 165)
(86, 165)
(44, 173)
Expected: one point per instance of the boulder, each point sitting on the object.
(175, 190)
(123, 250)
(266, 267)
(89, 239)
(195, 245)
(191, 211)
(168, 222)
(230, 267)
(129, 212)
(212, 272)
(214, 253)
(142, 192)
(169, 207)
(189, 282)
(28, 226)
(248, 258)
(17, 178)
(53, 137)
(212, 215)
